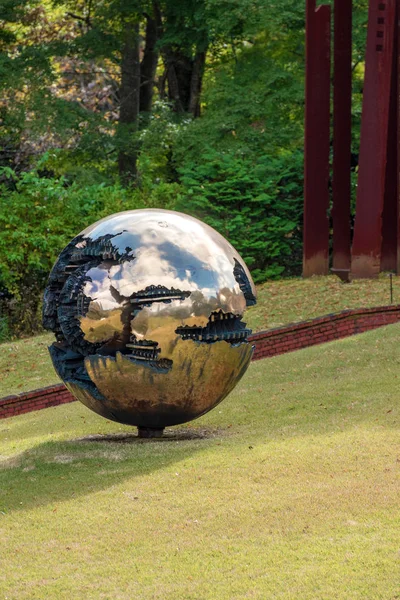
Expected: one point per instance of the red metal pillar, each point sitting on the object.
(367, 239)
(390, 206)
(342, 135)
(397, 34)
(316, 164)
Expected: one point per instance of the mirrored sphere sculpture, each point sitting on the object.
(146, 307)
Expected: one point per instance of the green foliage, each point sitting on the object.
(37, 217)
(254, 106)
(241, 164)
(257, 207)
(159, 135)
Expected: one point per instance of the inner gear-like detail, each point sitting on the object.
(244, 283)
(80, 252)
(143, 350)
(221, 326)
(156, 293)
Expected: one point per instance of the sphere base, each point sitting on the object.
(150, 432)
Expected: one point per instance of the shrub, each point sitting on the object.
(257, 207)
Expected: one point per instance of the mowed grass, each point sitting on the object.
(292, 493)
(291, 300)
(26, 365)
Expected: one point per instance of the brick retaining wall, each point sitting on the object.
(322, 329)
(268, 343)
(35, 400)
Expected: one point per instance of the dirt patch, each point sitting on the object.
(63, 459)
(170, 435)
(11, 462)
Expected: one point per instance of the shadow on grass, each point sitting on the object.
(170, 435)
(58, 471)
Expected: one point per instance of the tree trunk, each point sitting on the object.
(169, 63)
(196, 83)
(129, 103)
(173, 84)
(183, 73)
(148, 66)
(183, 68)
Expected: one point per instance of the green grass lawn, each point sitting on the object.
(25, 364)
(288, 490)
(290, 300)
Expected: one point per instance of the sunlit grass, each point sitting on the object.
(293, 493)
(26, 365)
(290, 300)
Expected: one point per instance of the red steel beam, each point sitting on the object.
(397, 34)
(342, 134)
(316, 163)
(367, 239)
(390, 205)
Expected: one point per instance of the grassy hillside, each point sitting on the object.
(26, 365)
(288, 490)
(290, 300)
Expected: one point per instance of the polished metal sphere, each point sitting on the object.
(147, 308)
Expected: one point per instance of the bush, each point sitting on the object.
(257, 207)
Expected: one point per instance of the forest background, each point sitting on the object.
(190, 105)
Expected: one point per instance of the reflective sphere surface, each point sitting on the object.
(147, 308)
